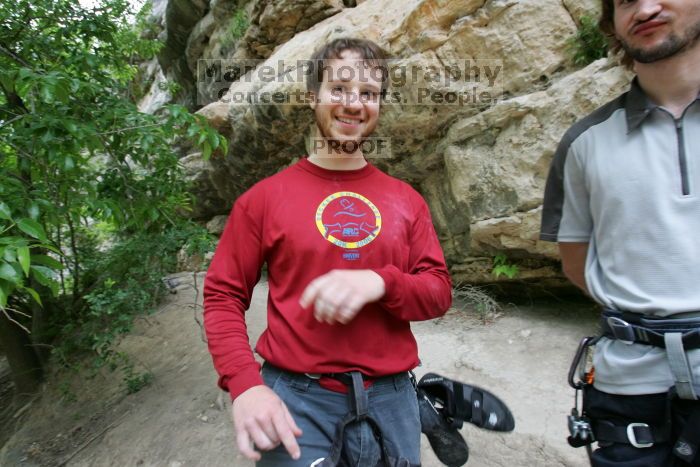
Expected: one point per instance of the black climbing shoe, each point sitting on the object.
(459, 402)
(447, 443)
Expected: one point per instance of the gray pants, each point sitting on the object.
(317, 411)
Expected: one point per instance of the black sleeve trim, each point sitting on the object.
(553, 203)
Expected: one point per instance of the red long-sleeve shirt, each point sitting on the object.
(304, 222)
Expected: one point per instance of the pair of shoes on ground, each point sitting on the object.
(444, 405)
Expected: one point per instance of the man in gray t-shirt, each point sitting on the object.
(623, 202)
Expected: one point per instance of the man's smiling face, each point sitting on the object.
(652, 30)
(347, 104)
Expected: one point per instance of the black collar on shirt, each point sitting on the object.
(638, 106)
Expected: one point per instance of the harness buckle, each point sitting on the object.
(622, 330)
(632, 437)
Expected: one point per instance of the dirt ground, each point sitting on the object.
(182, 418)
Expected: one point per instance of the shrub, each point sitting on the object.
(127, 283)
(501, 267)
(238, 25)
(588, 44)
(484, 304)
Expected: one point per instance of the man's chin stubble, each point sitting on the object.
(672, 46)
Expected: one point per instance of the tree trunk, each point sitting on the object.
(39, 329)
(24, 363)
(40, 318)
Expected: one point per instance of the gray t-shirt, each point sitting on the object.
(626, 179)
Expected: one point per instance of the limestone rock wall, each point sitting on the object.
(481, 167)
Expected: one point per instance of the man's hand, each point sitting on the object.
(260, 417)
(339, 295)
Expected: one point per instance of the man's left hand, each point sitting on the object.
(339, 295)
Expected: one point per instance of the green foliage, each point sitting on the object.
(238, 25)
(588, 44)
(200, 242)
(90, 188)
(133, 380)
(501, 267)
(170, 86)
(145, 26)
(75, 151)
(67, 394)
(137, 381)
(127, 283)
(20, 239)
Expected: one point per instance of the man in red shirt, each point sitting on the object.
(352, 258)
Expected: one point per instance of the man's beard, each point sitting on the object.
(670, 47)
(345, 147)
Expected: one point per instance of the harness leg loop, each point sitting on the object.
(680, 367)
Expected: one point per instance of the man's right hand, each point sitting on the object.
(260, 417)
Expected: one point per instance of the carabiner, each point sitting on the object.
(578, 365)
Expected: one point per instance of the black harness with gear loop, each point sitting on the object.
(675, 335)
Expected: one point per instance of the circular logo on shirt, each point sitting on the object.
(348, 220)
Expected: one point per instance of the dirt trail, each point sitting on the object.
(182, 419)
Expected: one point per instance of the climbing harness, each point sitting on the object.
(359, 412)
(677, 336)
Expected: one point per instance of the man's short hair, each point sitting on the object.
(606, 23)
(373, 55)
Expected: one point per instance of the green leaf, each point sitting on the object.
(5, 291)
(5, 212)
(24, 259)
(61, 91)
(206, 151)
(47, 136)
(44, 276)
(32, 228)
(175, 110)
(7, 79)
(9, 255)
(34, 211)
(13, 241)
(9, 273)
(25, 73)
(46, 93)
(191, 131)
(213, 138)
(47, 261)
(46, 247)
(34, 294)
